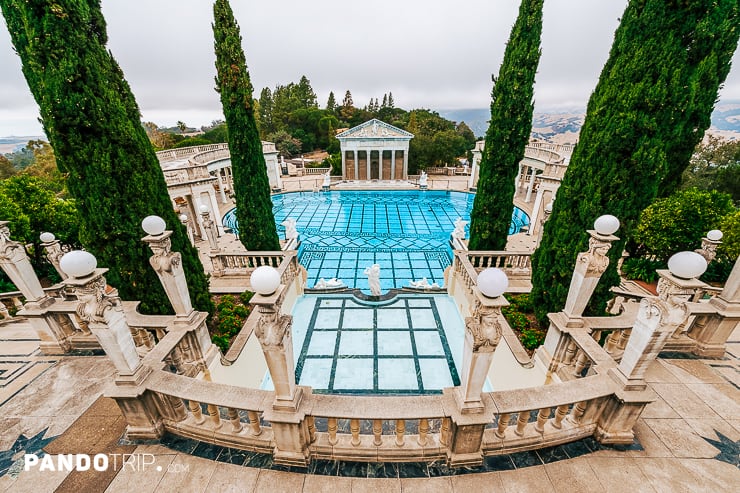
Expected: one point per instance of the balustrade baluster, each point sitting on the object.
(612, 341)
(577, 412)
(444, 432)
(570, 352)
(557, 420)
(377, 432)
(196, 411)
(254, 422)
(354, 428)
(400, 432)
(623, 338)
(332, 426)
(215, 416)
(423, 431)
(521, 422)
(542, 418)
(236, 422)
(17, 303)
(503, 423)
(310, 421)
(581, 362)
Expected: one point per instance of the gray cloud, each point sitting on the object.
(437, 54)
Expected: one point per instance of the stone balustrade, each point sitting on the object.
(186, 152)
(210, 156)
(181, 176)
(316, 171)
(242, 264)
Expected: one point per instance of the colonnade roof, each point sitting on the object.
(375, 129)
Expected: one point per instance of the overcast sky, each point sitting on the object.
(436, 54)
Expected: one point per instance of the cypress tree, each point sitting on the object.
(651, 105)
(93, 123)
(508, 131)
(251, 186)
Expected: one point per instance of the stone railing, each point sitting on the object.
(514, 264)
(186, 152)
(191, 174)
(566, 149)
(315, 171)
(211, 155)
(242, 264)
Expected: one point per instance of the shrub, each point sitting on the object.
(642, 269)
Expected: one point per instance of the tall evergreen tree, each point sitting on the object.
(265, 112)
(251, 186)
(348, 106)
(653, 100)
(508, 131)
(93, 123)
(331, 103)
(305, 94)
(390, 100)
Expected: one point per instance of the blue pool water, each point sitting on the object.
(406, 232)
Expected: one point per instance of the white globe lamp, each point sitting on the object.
(203, 209)
(78, 263)
(47, 237)
(606, 225)
(492, 282)
(153, 225)
(265, 280)
(715, 235)
(183, 217)
(687, 265)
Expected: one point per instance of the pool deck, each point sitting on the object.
(687, 440)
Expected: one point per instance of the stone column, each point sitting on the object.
(536, 211)
(406, 162)
(54, 252)
(532, 177)
(100, 306)
(657, 319)
(471, 178)
(393, 164)
(344, 163)
(215, 212)
(168, 266)
(16, 264)
(221, 185)
(590, 265)
(712, 333)
(482, 335)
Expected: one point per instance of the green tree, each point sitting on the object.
(331, 103)
(679, 222)
(92, 121)
(730, 227)
(182, 126)
(654, 96)
(304, 94)
(348, 106)
(6, 168)
(257, 229)
(715, 165)
(45, 167)
(508, 131)
(265, 114)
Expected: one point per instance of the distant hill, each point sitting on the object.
(563, 126)
(15, 143)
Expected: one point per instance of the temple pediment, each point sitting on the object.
(375, 129)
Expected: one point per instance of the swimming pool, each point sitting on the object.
(406, 232)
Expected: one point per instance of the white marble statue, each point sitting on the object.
(459, 228)
(423, 178)
(420, 284)
(373, 279)
(327, 179)
(330, 284)
(290, 232)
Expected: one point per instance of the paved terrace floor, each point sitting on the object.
(687, 440)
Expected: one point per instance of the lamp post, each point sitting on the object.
(482, 335)
(53, 251)
(709, 245)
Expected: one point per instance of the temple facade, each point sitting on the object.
(375, 150)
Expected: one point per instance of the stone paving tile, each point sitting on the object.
(187, 474)
(228, 478)
(669, 476)
(620, 474)
(692, 371)
(652, 446)
(36, 481)
(708, 428)
(481, 482)
(284, 482)
(683, 401)
(326, 484)
(426, 485)
(531, 479)
(141, 479)
(659, 409)
(723, 398)
(658, 373)
(714, 475)
(680, 438)
(376, 485)
(572, 475)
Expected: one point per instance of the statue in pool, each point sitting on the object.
(423, 179)
(373, 279)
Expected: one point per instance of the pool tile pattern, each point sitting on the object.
(407, 232)
(352, 347)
